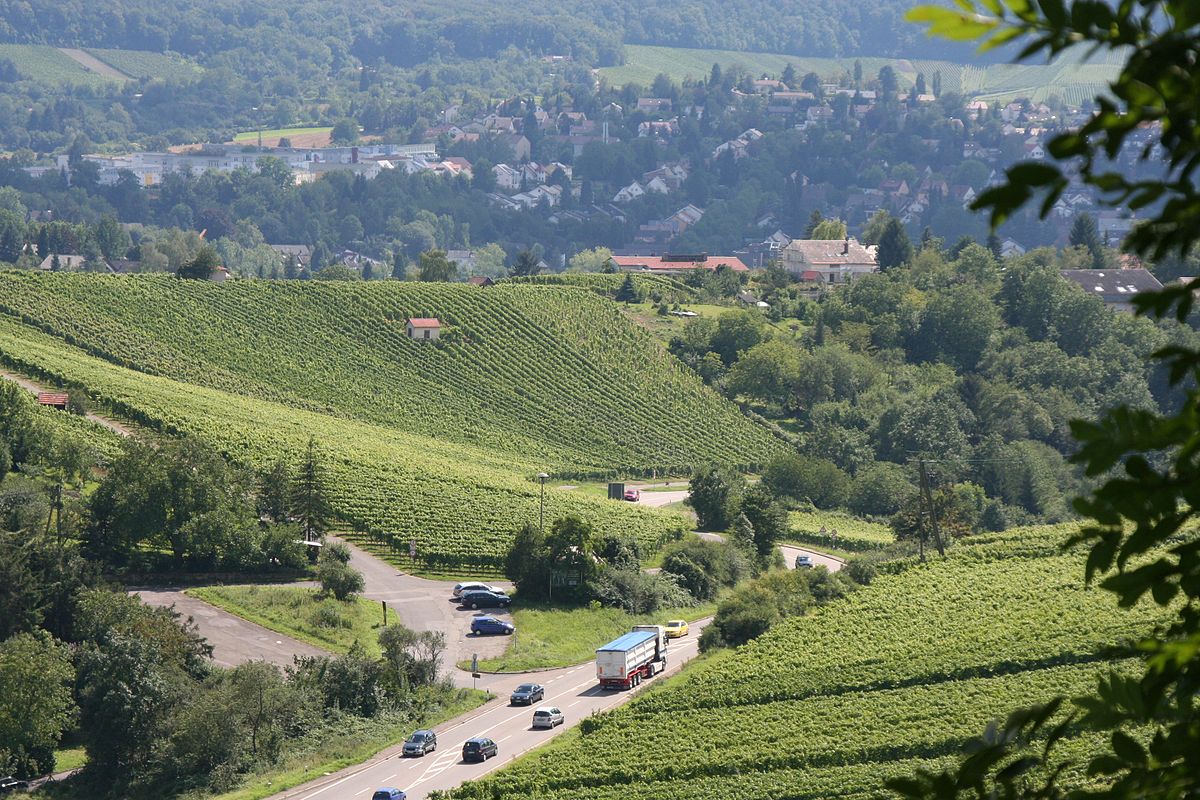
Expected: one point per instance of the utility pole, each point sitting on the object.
(927, 494)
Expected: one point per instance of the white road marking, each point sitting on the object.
(362, 791)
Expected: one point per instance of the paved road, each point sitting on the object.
(233, 639)
(425, 605)
(832, 563)
(573, 689)
(659, 499)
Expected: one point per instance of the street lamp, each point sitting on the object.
(541, 476)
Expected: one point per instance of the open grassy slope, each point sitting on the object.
(900, 674)
(53, 66)
(432, 442)
(1066, 77)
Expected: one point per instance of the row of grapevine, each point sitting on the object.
(899, 674)
(817, 527)
(459, 503)
(550, 375)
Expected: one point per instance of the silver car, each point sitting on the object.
(471, 586)
(548, 717)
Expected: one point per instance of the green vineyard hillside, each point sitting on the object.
(900, 674)
(432, 442)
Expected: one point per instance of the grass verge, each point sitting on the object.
(549, 637)
(348, 748)
(69, 759)
(300, 612)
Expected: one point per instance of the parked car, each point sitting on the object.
(804, 562)
(676, 628)
(10, 784)
(471, 586)
(420, 743)
(486, 600)
(633, 495)
(482, 625)
(548, 717)
(480, 748)
(388, 793)
(527, 694)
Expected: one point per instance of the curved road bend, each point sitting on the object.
(572, 689)
(233, 639)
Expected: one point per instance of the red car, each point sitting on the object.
(633, 495)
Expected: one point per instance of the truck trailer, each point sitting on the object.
(629, 659)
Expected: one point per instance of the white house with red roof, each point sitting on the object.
(829, 260)
(424, 328)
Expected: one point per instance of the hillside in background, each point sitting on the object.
(433, 442)
(1067, 77)
(899, 675)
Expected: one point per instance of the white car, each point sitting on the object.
(548, 717)
(804, 562)
(471, 586)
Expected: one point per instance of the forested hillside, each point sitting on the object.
(432, 441)
(899, 675)
(414, 32)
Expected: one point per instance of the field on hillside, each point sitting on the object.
(49, 65)
(145, 64)
(299, 137)
(435, 443)
(1070, 80)
(900, 674)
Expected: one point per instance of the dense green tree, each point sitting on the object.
(411, 658)
(894, 247)
(527, 563)
(36, 676)
(768, 371)
(767, 516)
(310, 495)
(801, 478)
(1085, 233)
(525, 264)
(829, 229)
(432, 265)
(714, 494)
(201, 266)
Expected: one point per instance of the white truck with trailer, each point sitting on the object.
(629, 659)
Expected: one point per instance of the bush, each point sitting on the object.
(860, 571)
(703, 567)
(338, 579)
(639, 592)
(800, 478)
(754, 607)
(880, 489)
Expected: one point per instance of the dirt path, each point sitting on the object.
(93, 64)
(28, 385)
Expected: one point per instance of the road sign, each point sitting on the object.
(475, 663)
(412, 548)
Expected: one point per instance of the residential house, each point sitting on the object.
(219, 275)
(507, 178)
(480, 280)
(302, 253)
(652, 105)
(1116, 287)
(63, 262)
(465, 259)
(630, 192)
(1011, 249)
(425, 328)
(517, 143)
(829, 260)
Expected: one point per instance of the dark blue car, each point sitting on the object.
(482, 625)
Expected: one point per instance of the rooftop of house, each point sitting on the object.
(425, 322)
(1113, 282)
(666, 263)
(832, 252)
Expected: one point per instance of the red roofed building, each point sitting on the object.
(677, 264)
(424, 328)
(53, 399)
